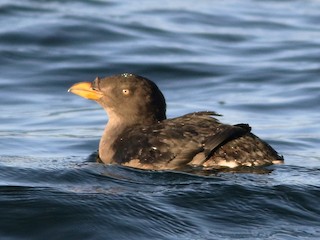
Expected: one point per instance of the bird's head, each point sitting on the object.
(128, 97)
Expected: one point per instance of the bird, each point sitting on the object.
(139, 135)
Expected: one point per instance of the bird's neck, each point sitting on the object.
(112, 130)
(115, 126)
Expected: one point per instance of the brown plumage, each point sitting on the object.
(139, 135)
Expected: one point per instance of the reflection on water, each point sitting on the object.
(254, 62)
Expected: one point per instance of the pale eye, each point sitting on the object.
(125, 91)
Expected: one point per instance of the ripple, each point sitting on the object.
(254, 62)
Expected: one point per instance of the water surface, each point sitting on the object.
(253, 61)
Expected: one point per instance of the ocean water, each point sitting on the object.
(255, 62)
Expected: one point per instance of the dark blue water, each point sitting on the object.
(255, 62)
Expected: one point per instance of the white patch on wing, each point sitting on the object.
(229, 164)
(277, 161)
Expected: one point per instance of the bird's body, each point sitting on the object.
(139, 135)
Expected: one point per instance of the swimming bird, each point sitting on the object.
(139, 135)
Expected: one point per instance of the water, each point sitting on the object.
(255, 62)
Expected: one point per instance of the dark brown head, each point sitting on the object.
(126, 97)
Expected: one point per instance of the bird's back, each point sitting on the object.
(196, 139)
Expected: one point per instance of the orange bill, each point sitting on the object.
(85, 90)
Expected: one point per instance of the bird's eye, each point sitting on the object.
(125, 91)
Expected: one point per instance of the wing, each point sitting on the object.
(227, 134)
